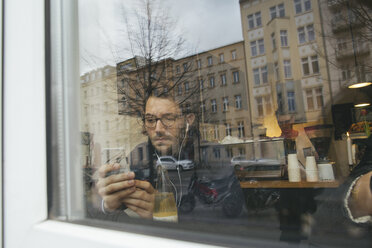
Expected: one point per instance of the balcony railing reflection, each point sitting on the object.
(360, 49)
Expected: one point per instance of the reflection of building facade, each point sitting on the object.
(222, 98)
(111, 133)
(211, 84)
(287, 76)
(348, 46)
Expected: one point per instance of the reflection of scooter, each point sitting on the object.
(225, 192)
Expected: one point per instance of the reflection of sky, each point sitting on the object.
(204, 24)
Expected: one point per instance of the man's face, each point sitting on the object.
(164, 138)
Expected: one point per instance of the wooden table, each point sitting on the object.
(286, 184)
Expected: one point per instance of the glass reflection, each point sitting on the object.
(234, 123)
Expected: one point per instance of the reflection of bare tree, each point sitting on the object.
(153, 44)
(348, 34)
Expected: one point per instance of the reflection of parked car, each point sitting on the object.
(258, 167)
(170, 163)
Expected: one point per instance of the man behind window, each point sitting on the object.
(166, 128)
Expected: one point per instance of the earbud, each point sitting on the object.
(187, 127)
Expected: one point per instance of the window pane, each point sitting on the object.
(283, 38)
(253, 48)
(258, 19)
(256, 73)
(298, 6)
(281, 10)
(264, 74)
(287, 69)
(273, 12)
(251, 155)
(314, 63)
(261, 46)
(301, 35)
(310, 32)
(305, 66)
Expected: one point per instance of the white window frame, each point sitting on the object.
(225, 103)
(264, 75)
(210, 61)
(223, 79)
(257, 47)
(302, 4)
(254, 20)
(212, 83)
(241, 131)
(306, 34)
(214, 105)
(26, 223)
(291, 101)
(254, 50)
(228, 129)
(238, 101)
(258, 19)
(256, 76)
(222, 58)
(260, 105)
(314, 98)
(283, 38)
(310, 63)
(233, 54)
(287, 68)
(277, 11)
(261, 46)
(235, 77)
(260, 76)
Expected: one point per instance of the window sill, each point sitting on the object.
(306, 43)
(254, 28)
(62, 235)
(277, 17)
(303, 13)
(311, 75)
(257, 56)
(261, 85)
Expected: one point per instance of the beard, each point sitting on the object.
(167, 145)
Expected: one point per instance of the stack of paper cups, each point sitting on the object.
(326, 172)
(294, 174)
(311, 169)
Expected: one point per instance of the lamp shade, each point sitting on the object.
(362, 99)
(359, 85)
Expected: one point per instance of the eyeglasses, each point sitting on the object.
(167, 120)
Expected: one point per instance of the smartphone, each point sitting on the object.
(118, 171)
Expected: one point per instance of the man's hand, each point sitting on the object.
(142, 200)
(361, 197)
(115, 188)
